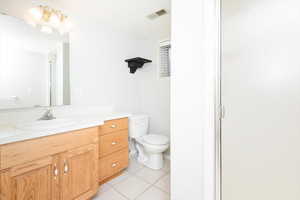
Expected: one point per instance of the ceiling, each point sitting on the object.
(128, 16)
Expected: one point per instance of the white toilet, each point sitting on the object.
(150, 147)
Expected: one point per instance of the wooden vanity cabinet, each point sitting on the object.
(113, 148)
(67, 166)
(33, 180)
(79, 173)
(69, 172)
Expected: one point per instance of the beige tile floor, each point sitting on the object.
(138, 183)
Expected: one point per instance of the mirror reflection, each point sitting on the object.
(34, 66)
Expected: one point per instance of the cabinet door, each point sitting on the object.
(80, 172)
(36, 180)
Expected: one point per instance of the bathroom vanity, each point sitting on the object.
(61, 157)
(63, 165)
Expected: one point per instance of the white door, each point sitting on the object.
(261, 95)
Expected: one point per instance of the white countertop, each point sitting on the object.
(10, 133)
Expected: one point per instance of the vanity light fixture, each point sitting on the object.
(48, 20)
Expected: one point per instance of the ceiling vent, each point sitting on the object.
(157, 14)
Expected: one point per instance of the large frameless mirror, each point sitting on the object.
(34, 66)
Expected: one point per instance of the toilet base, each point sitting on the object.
(155, 161)
(150, 157)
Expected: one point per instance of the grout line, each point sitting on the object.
(113, 187)
(120, 193)
(166, 174)
(121, 180)
(153, 186)
(134, 173)
(168, 193)
(150, 186)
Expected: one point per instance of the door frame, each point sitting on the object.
(213, 133)
(219, 107)
(195, 103)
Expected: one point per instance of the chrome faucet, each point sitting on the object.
(48, 115)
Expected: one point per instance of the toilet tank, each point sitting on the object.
(138, 125)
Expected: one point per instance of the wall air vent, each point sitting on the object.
(157, 14)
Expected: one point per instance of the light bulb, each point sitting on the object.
(36, 12)
(46, 29)
(54, 20)
(28, 19)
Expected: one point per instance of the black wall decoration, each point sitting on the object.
(135, 63)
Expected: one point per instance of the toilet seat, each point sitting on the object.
(154, 139)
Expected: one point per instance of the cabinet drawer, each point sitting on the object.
(113, 142)
(112, 164)
(114, 125)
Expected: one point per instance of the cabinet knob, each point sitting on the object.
(113, 126)
(113, 143)
(66, 167)
(114, 165)
(55, 171)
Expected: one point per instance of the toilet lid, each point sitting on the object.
(156, 139)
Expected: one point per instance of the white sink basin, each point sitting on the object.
(43, 125)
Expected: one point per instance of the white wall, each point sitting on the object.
(100, 76)
(154, 92)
